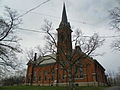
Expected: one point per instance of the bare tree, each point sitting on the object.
(116, 44)
(30, 54)
(70, 62)
(9, 44)
(115, 18)
(113, 78)
(115, 23)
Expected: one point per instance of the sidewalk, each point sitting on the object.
(113, 88)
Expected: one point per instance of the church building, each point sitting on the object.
(49, 73)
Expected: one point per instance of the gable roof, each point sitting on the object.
(99, 64)
(50, 59)
(43, 60)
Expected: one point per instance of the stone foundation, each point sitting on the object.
(76, 83)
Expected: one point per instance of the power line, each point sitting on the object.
(82, 22)
(33, 8)
(106, 36)
(30, 11)
(39, 13)
(31, 30)
(37, 31)
(54, 17)
(110, 36)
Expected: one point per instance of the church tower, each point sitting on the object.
(64, 43)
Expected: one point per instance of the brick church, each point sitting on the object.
(49, 73)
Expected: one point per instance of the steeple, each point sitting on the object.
(64, 21)
(64, 42)
(64, 16)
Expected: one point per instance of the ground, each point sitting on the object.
(47, 88)
(113, 88)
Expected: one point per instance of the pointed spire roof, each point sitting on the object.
(64, 15)
(64, 21)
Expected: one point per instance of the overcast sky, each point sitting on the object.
(91, 16)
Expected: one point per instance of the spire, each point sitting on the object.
(64, 16)
(64, 21)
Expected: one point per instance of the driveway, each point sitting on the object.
(113, 88)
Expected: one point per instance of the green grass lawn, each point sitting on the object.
(47, 88)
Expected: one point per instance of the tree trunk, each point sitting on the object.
(71, 80)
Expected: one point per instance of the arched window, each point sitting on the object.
(34, 76)
(81, 71)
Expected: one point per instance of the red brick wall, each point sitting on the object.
(47, 74)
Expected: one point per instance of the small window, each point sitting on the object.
(77, 74)
(53, 72)
(81, 71)
(63, 77)
(93, 77)
(34, 76)
(52, 78)
(39, 78)
(45, 75)
(45, 78)
(81, 74)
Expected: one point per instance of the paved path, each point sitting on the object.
(113, 88)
